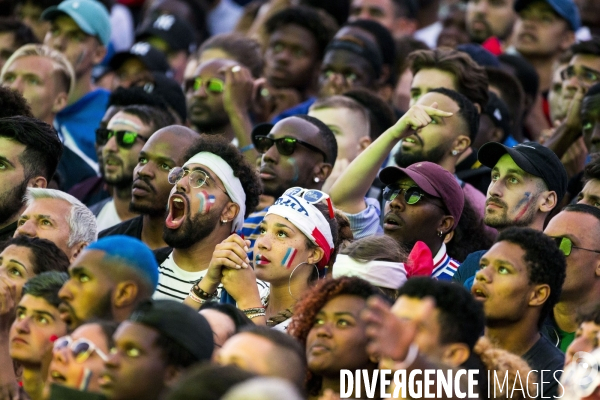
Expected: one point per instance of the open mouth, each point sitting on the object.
(478, 293)
(177, 211)
(105, 380)
(391, 222)
(65, 314)
(56, 376)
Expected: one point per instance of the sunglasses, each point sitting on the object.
(312, 196)
(566, 246)
(412, 194)
(285, 145)
(197, 178)
(125, 139)
(81, 349)
(211, 85)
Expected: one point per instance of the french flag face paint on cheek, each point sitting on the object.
(206, 201)
(288, 259)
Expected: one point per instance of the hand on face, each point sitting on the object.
(8, 302)
(239, 89)
(417, 117)
(573, 119)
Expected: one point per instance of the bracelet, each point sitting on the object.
(413, 352)
(256, 315)
(246, 148)
(202, 294)
(195, 298)
(255, 310)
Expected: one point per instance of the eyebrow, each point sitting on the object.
(519, 172)
(77, 270)
(2, 158)
(280, 225)
(37, 312)
(501, 262)
(17, 262)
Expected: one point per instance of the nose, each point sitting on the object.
(183, 184)
(398, 202)
(113, 360)
(22, 325)
(26, 228)
(111, 146)
(145, 170)
(271, 155)
(61, 355)
(494, 190)
(324, 330)
(480, 7)
(483, 275)
(200, 92)
(65, 292)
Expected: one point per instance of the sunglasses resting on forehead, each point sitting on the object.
(125, 139)
(285, 145)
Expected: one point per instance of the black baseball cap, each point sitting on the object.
(532, 158)
(154, 60)
(179, 323)
(176, 32)
(161, 85)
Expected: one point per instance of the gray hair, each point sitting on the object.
(82, 223)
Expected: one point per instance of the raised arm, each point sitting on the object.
(349, 191)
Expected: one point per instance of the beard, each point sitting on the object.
(502, 221)
(434, 155)
(192, 230)
(214, 126)
(11, 202)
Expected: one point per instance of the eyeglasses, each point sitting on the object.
(197, 177)
(312, 196)
(585, 75)
(285, 145)
(211, 85)
(412, 194)
(125, 139)
(81, 349)
(566, 246)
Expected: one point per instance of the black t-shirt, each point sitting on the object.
(131, 227)
(543, 356)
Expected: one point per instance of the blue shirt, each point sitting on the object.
(301, 108)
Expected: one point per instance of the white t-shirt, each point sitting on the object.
(174, 283)
(108, 217)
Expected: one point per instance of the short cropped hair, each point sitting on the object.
(326, 135)
(545, 262)
(319, 23)
(63, 70)
(46, 255)
(82, 222)
(245, 50)
(466, 110)
(460, 317)
(23, 33)
(471, 78)
(43, 147)
(46, 285)
(589, 47)
(339, 101)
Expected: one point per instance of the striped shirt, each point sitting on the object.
(174, 283)
(444, 267)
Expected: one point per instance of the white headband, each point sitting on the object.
(385, 274)
(232, 184)
(309, 220)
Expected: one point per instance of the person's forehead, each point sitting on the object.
(431, 78)
(91, 331)
(294, 127)
(538, 6)
(11, 149)
(125, 120)
(33, 304)
(34, 64)
(585, 60)
(49, 206)
(136, 332)
(344, 60)
(444, 102)
(16, 252)
(294, 35)
(337, 115)
(345, 303)
(211, 68)
(166, 144)
(574, 224)
(506, 252)
(507, 162)
(406, 307)
(92, 260)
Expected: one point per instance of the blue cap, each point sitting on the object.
(91, 16)
(131, 252)
(567, 9)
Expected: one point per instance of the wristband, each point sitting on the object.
(202, 294)
(195, 298)
(255, 310)
(246, 148)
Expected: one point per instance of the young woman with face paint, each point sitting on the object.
(298, 241)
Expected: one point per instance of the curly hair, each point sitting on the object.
(46, 255)
(471, 78)
(242, 169)
(460, 317)
(314, 300)
(319, 23)
(12, 103)
(592, 170)
(546, 263)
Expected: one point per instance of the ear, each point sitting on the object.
(172, 374)
(448, 237)
(322, 171)
(383, 76)
(230, 211)
(455, 354)
(446, 224)
(497, 135)
(461, 143)
(567, 39)
(125, 294)
(76, 250)
(547, 201)
(539, 295)
(315, 256)
(99, 52)
(37, 182)
(363, 143)
(60, 102)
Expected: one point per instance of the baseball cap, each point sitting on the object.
(567, 9)
(178, 34)
(152, 58)
(178, 322)
(497, 111)
(434, 180)
(129, 251)
(161, 85)
(90, 15)
(532, 158)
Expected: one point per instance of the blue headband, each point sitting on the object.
(131, 252)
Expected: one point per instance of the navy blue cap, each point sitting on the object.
(567, 9)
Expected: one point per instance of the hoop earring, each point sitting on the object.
(290, 278)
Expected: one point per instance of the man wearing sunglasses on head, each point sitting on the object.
(122, 141)
(219, 98)
(297, 151)
(575, 229)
